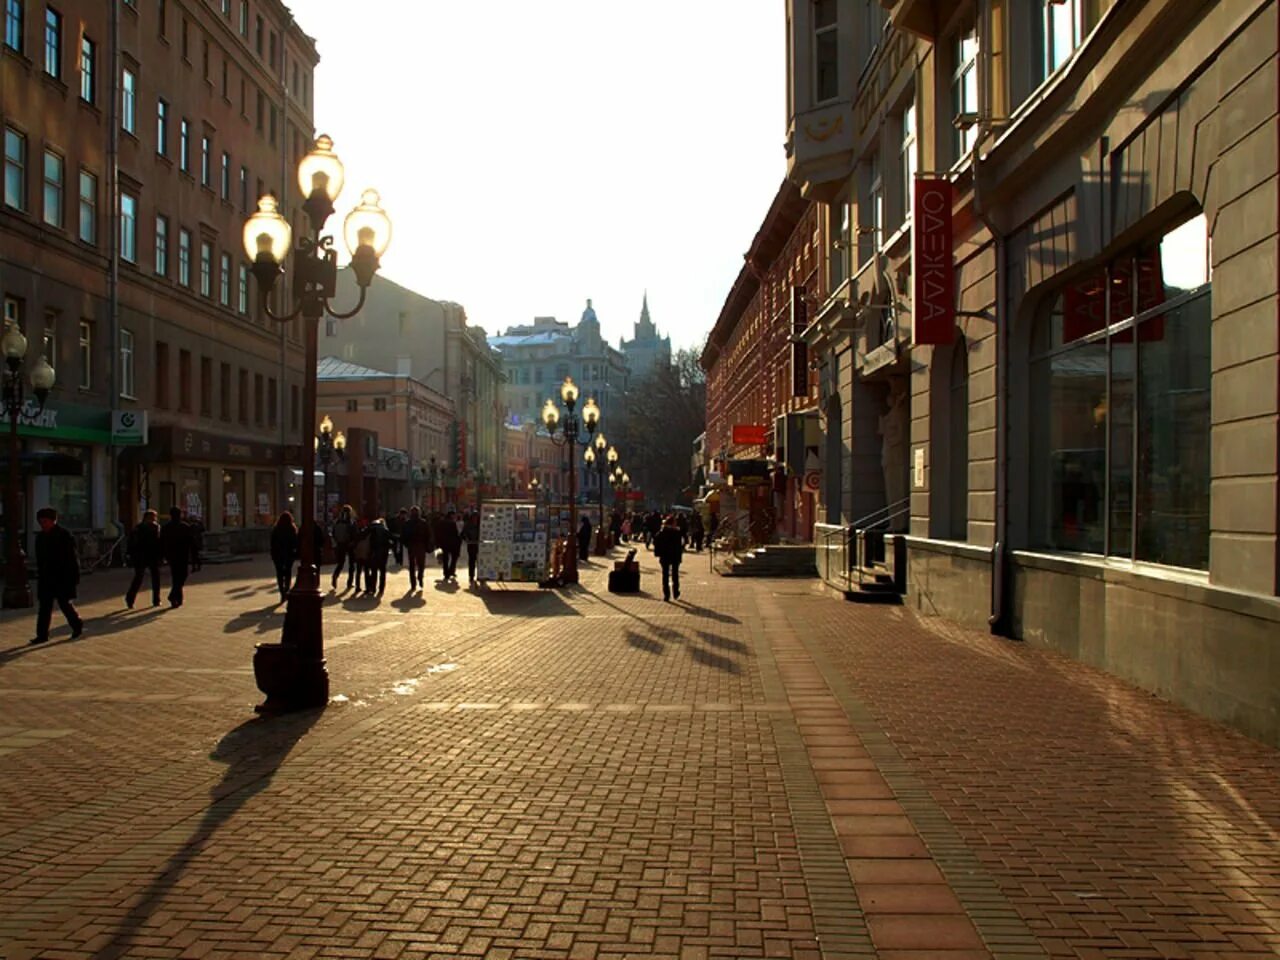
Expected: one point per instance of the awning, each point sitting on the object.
(45, 463)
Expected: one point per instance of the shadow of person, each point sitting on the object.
(711, 659)
(114, 622)
(647, 644)
(707, 613)
(446, 586)
(250, 618)
(409, 602)
(724, 643)
(252, 752)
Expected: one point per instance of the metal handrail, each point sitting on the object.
(897, 505)
(897, 509)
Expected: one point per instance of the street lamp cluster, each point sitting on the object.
(13, 345)
(564, 431)
(329, 446)
(292, 673)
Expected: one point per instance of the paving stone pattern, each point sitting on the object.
(757, 771)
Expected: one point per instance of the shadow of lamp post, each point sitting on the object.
(292, 673)
(17, 591)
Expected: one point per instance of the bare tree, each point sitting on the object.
(666, 410)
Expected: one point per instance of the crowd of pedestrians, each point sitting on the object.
(360, 548)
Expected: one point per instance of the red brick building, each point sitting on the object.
(758, 377)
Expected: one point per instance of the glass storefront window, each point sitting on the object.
(193, 493)
(265, 499)
(233, 502)
(1120, 378)
(71, 496)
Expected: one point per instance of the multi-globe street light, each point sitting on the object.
(292, 673)
(329, 445)
(568, 437)
(17, 591)
(595, 456)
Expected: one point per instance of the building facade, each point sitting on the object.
(429, 341)
(533, 455)
(761, 382)
(1074, 410)
(646, 349)
(538, 356)
(129, 168)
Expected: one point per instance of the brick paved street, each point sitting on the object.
(757, 771)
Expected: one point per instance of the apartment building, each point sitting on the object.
(1050, 238)
(138, 135)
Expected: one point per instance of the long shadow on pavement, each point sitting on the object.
(706, 613)
(523, 602)
(115, 622)
(262, 619)
(253, 752)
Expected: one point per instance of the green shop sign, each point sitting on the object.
(65, 421)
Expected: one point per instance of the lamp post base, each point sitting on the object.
(17, 589)
(292, 673)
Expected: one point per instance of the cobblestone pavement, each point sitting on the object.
(755, 771)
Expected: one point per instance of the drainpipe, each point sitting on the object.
(999, 618)
(113, 255)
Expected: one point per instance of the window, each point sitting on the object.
(184, 381)
(184, 257)
(184, 146)
(330, 328)
(243, 303)
(88, 64)
(206, 269)
(1121, 403)
(226, 8)
(128, 101)
(15, 169)
(910, 159)
(226, 78)
(129, 227)
(259, 397)
(224, 280)
(13, 24)
(52, 42)
(243, 399)
(204, 58)
(186, 40)
(244, 18)
(127, 382)
(1061, 32)
(206, 387)
(162, 245)
(353, 406)
(53, 166)
(964, 92)
(162, 16)
(257, 35)
(271, 46)
(262, 110)
(244, 189)
(86, 354)
(224, 391)
(49, 344)
(272, 403)
(226, 176)
(826, 51)
(205, 173)
(88, 207)
(306, 89)
(162, 375)
(162, 128)
(272, 133)
(380, 404)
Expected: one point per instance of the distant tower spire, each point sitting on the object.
(644, 329)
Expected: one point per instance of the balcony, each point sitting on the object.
(915, 16)
(820, 150)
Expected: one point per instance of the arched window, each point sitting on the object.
(1120, 381)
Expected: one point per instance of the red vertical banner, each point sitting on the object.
(933, 311)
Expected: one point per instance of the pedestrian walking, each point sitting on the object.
(284, 550)
(416, 537)
(344, 541)
(697, 532)
(668, 546)
(584, 538)
(395, 526)
(449, 541)
(181, 551)
(378, 539)
(145, 555)
(652, 526)
(57, 573)
(471, 537)
(615, 527)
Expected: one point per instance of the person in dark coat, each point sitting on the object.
(652, 527)
(284, 550)
(58, 573)
(375, 566)
(668, 545)
(416, 536)
(697, 532)
(395, 526)
(181, 551)
(144, 554)
(345, 535)
(584, 538)
(449, 540)
(471, 537)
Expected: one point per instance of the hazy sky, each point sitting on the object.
(534, 153)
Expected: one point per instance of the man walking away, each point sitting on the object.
(375, 571)
(144, 554)
(584, 538)
(416, 536)
(284, 550)
(668, 545)
(178, 544)
(58, 573)
(450, 541)
(395, 526)
(344, 540)
(471, 537)
(697, 532)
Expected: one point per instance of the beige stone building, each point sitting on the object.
(1088, 458)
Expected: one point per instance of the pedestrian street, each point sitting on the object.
(754, 770)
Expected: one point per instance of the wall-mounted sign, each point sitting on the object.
(917, 468)
(749, 434)
(933, 308)
(129, 428)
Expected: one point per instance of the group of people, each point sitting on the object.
(645, 527)
(364, 546)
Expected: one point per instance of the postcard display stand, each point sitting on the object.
(513, 542)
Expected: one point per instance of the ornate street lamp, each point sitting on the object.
(568, 437)
(533, 489)
(433, 478)
(292, 673)
(13, 345)
(481, 477)
(328, 446)
(595, 456)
